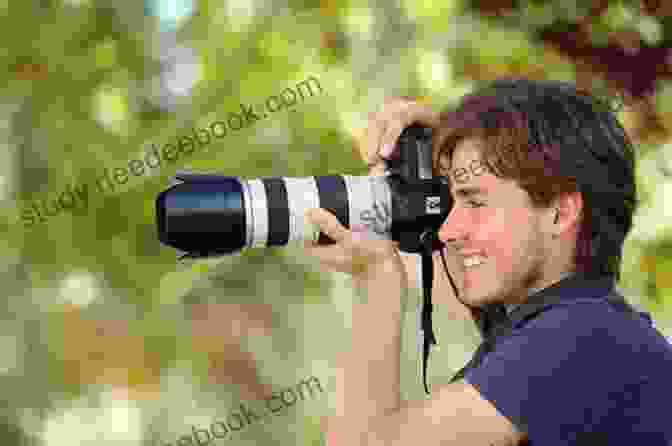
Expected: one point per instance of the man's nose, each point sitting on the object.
(453, 228)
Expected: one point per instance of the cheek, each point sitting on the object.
(491, 225)
(502, 236)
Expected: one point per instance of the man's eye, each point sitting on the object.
(475, 204)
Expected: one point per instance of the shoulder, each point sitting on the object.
(568, 367)
(580, 315)
(592, 332)
(597, 319)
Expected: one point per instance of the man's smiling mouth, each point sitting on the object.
(473, 261)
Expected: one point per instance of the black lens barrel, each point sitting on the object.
(206, 217)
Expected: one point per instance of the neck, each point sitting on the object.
(531, 291)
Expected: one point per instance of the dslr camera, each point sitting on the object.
(204, 215)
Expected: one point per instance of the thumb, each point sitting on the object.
(327, 223)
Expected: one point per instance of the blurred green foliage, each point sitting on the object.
(79, 96)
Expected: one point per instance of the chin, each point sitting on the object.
(475, 299)
(480, 295)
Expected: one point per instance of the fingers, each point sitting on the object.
(327, 223)
(401, 115)
(388, 149)
(333, 257)
(378, 170)
(386, 125)
(374, 132)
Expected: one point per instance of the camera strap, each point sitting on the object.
(429, 240)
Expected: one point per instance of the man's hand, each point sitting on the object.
(367, 376)
(386, 125)
(358, 252)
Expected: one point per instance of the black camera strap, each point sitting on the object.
(428, 240)
(430, 243)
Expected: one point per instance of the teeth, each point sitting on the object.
(473, 261)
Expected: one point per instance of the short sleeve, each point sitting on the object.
(557, 377)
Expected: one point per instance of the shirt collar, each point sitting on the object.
(572, 284)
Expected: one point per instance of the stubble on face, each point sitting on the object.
(503, 229)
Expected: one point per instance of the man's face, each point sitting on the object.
(494, 231)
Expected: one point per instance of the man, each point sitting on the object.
(542, 178)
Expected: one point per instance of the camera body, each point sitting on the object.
(422, 201)
(206, 215)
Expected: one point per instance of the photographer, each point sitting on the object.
(542, 178)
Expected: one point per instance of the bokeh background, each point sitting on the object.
(105, 339)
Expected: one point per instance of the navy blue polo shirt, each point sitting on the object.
(582, 373)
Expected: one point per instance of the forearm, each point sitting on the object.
(367, 378)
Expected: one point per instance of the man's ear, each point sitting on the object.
(565, 213)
